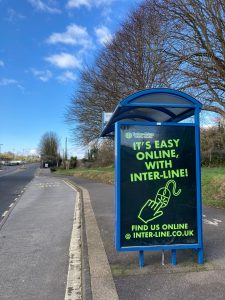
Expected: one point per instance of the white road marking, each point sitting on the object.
(73, 286)
(47, 184)
(214, 222)
(11, 204)
(5, 213)
(70, 185)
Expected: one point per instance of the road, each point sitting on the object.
(12, 183)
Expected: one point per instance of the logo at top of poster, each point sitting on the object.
(128, 135)
(153, 209)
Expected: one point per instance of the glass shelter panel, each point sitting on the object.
(160, 98)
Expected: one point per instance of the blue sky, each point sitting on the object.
(44, 44)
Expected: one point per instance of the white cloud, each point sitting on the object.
(106, 13)
(102, 2)
(78, 3)
(42, 75)
(8, 81)
(2, 63)
(74, 35)
(41, 6)
(64, 60)
(13, 15)
(88, 3)
(103, 35)
(67, 76)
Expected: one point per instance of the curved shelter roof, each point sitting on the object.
(153, 105)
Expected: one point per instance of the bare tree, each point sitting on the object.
(137, 54)
(134, 60)
(197, 48)
(49, 147)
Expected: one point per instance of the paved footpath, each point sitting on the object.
(34, 242)
(155, 281)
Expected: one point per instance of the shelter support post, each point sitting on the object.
(163, 258)
(199, 191)
(174, 257)
(141, 259)
(200, 256)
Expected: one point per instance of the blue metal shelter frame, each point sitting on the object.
(160, 107)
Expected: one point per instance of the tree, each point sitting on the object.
(133, 60)
(213, 144)
(73, 162)
(197, 48)
(163, 43)
(49, 148)
(105, 154)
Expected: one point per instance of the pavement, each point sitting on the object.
(40, 257)
(187, 280)
(35, 240)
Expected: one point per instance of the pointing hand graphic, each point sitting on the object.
(152, 209)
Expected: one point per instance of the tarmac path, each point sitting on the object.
(155, 281)
(34, 242)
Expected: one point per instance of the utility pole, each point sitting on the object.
(66, 156)
(0, 155)
(66, 149)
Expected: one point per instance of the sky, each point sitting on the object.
(44, 45)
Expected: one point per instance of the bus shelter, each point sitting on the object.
(157, 172)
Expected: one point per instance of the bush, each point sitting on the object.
(213, 158)
(73, 162)
(105, 155)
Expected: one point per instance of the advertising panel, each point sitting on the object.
(157, 202)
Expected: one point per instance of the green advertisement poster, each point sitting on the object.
(158, 202)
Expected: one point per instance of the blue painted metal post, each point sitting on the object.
(174, 257)
(200, 256)
(199, 192)
(141, 259)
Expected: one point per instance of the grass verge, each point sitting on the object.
(213, 181)
(100, 174)
(213, 187)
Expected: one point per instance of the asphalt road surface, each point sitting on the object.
(13, 181)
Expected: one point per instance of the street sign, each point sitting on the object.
(105, 118)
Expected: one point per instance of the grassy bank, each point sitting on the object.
(213, 181)
(213, 187)
(101, 174)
